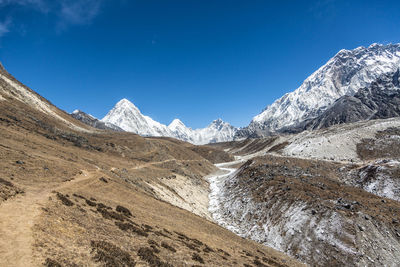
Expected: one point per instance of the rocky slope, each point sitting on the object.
(304, 208)
(380, 100)
(344, 74)
(94, 122)
(128, 117)
(329, 197)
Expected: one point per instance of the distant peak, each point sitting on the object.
(76, 111)
(176, 123)
(218, 121)
(375, 45)
(125, 103)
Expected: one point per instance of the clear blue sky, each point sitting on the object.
(197, 60)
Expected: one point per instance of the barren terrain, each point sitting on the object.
(71, 195)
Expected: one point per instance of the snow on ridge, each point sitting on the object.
(128, 117)
(344, 74)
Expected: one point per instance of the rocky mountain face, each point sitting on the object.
(379, 100)
(129, 118)
(343, 75)
(94, 122)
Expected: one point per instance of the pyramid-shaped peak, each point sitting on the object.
(176, 122)
(125, 104)
(124, 101)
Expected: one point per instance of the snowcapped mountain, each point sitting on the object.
(344, 74)
(128, 117)
(217, 131)
(380, 100)
(180, 130)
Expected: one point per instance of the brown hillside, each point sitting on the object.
(72, 195)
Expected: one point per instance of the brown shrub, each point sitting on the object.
(148, 256)
(130, 227)
(6, 183)
(111, 255)
(90, 203)
(167, 246)
(51, 263)
(104, 180)
(196, 257)
(208, 249)
(123, 210)
(110, 214)
(64, 199)
(259, 263)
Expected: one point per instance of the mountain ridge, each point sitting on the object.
(343, 74)
(129, 118)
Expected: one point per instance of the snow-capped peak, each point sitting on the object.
(125, 103)
(128, 117)
(176, 123)
(218, 123)
(344, 74)
(217, 131)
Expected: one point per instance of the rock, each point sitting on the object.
(103, 179)
(313, 212)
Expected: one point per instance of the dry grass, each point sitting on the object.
(109, 215)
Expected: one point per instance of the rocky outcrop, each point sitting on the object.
(94, 122)
(380, 100)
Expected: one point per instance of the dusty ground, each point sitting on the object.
(75, 196)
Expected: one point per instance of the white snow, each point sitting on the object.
(344, 74)
(128, 117)
(383, 184)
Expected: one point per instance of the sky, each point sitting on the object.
(196, 60)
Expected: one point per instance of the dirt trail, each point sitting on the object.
(148, 164)
(17, 217)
